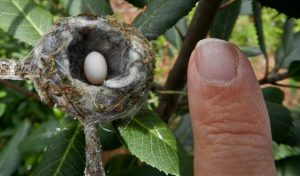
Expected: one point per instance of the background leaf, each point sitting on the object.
(65, 155)
(184, 133)
(95, 7)
(138, 3)
(281, 121)
(121, 165)
(160, 15)
(24, 20)
(175, 34)
(250, 51)
(224, 20)
(273, 94)
(259, 27)
(288, 166)
(289, 51)
(149, 138)
(11, 155)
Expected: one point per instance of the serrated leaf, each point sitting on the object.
(259, 27)
(224, 21)
(288, 166)
(95, 7)
(24, 20)
(138, 3)
(273, 94)
(281, 121)
(65, 155)
(11, 156)
(149, 138)
(159, 16)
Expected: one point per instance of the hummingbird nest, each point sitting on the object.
(58, 73)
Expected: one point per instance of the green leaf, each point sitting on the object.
(121, 165)
(2, 108)
(184, 133)
(160, 15)
(294, 70)
(288, 166)
(2, 94)
(259, 27)
(281, 121)
(138, 3)
(246, 8)
(250, 51)
(109, 138)
(273, 94)
(65, 155)
(11, 156)
(95, 7)
(173, 35)
(289, 51)
(40, 137)
(149, 138)
(224, 21)
(24, 20)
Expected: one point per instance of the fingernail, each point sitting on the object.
(216, 61)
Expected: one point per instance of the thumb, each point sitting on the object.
(229, 118)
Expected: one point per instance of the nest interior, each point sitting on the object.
(109, 43)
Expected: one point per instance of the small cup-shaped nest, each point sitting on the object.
(58, 63)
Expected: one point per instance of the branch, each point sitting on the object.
(20, 90)
(93, 165)
(198, 30)
(11, 69)
(273, 78)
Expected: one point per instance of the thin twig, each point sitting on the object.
(226, 4)
(93, 166)
(20, 90)
(288, 86)
(198, 30)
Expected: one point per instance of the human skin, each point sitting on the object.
(230, 122)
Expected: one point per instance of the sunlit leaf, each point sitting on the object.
(24, 20)
(149, 138)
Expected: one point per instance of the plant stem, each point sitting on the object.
(20, 90)
(93, 166)
(198, 30)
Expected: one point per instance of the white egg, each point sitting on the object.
(95, 67)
